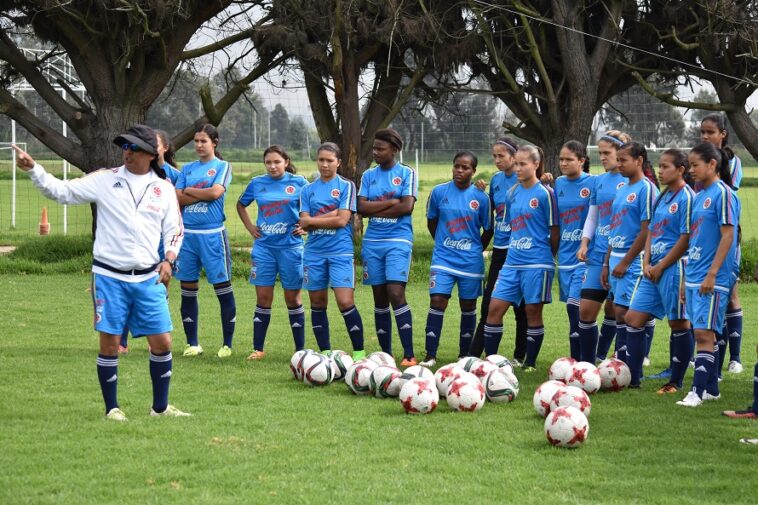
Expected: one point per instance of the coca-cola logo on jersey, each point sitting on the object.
(335, 193)
(673, 208)
(274, 228)
(396, 181)
(463, 244)
(289, 190)
(571, 236)
(707, 203)
(473, 205)
(617, 242)
(658, 248)
(584, 192)
(534, 203)
(522, 244)
(631, 197)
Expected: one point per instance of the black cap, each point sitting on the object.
(141, 135)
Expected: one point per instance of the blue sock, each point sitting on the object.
(588, 340)
(107, 374)
(124, 338)
(189, 313)
(712, 385)
(721, 354)
(649, 332)
(160, 374)
(734, 333)
(672, 350)
(261, 319)
(383, 323)
(225, 296)
(683, 342)
(320, 324)
(297, 323)
(404, 321)
(534, 337)
(493, 333)
(703, 362)
(575, 341)
(621, 348)
(433, 330)
(755, 389)
(607, 334)
(636, 343)
(354, 325)
(468, 327)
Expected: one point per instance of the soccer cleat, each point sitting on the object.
(634, 386)
(412, 361)
(115, 415)
(749, 441)
(224, 352)
(429, 361)
(691, 400)
(734, 366)
(357, 355)
(664, 374)
(192, 350)
(668, 389)
(646, 361)
(170, 411)
(517, 363)
(528, 369)
(740, 414)
(709, 397)
(256, 355)
(125, 350)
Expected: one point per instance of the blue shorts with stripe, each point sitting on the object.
(570, 281)
(267, 262)
(323, 272)
(441, 282)
(207, 250)
(386, 261)
(530, 285)
(661, 299)
(140, 306)
(706, 312)
(591, 279)
(622, 288)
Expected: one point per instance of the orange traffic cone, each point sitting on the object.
(44, 225)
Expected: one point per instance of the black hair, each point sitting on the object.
(580, 151)
(637, 151)
(649, 172)
(391, 136)
(537, 155)
(332, 148)
(679, 159)
(467, 154)
(212, 133)
(616, 138)
(720, 121)
(510, 144)
(708, 152)
(170, 153)
(276, 148)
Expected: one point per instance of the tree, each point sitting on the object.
(280, 126)
(298, 136)
(645, 118)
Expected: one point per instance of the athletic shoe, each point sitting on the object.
(740, 414)
(528, 369)
(646, 361)
(224, 352)
(124, 350)
(192, 350)
(709, 397)
(517, 363)
(749, 441)
(412, 361)
(665, 374)
(357, 355)
(429, 361)
(635, 386)
(256, 355)
(170, 411)
(692, 364)
(668, 389)
(691, 400)
(115, 415)
(734, 366)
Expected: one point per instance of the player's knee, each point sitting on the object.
(396, 294)
(292, 298)
(635, 319)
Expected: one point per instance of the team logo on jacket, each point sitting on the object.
(584, 192)
(396, 181)
(289, 190)
(473, 205)
(534, 203)
(620, 185)
(335, 193)
(673, 208)
(707, 203)
(157, 191)
(631, 197)
(211, 172)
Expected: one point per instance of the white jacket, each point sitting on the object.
(129, 227)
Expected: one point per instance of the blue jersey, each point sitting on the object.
(606, 186)
(172, 174)
(204, 215)
(632, 205)
(671, 219)
(531, 213)
(460, 215)
(321, 197)
(278, 208)
(378, 184)
(735, 169)
(499, 187)
(714, 207)
(573, 197)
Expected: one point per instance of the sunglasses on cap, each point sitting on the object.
(132, 147)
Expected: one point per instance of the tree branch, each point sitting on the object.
(669, 98)
(220, 44)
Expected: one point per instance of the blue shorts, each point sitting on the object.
(140, 306)
(591, 278)
(209, 251)
(321, 273)
(386, 261)
(706, 312)
(622, 288)
(570, 281)
(661, 299)
(441, 282)
(532, 285)
(267, 262)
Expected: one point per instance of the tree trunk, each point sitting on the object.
(745, 130)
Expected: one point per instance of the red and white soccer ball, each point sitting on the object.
(483, 369)
(382, 358)
(445, 375)
(384, 382)
(614, 374)
(572, 396)
(584, 375)
(465, 395)
(419, 396)
(560, 369)
(358, 376)
(500, 361)
(307, 360)
(297, 372)
(544, 395)
(317, 370)
(501, 386)
(415, 371)
(566, 427)
(468, 362)
(342, 361)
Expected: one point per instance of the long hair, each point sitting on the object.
(170, 153)
(720, 121)
(536, 155)
(708, 152)
(276, 148)
(212, 133)
(580, 151)
(679, 158)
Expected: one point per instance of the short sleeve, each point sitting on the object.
(685, 212)
(224, 175)
(347, 196)
(410, 184)
(248, 195)
(181, 181)
(363, 190)
(432, 208)
(485, 212)
(646, 201)
(552, 208)
(305, 199)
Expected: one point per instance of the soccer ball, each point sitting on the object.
(382, 358)
(384, 382)
(342, 362)
(500, 361)
(415, 371)
(572, 396)
(445, 375)
(295, 363)
(419, 396)
(483, 369)
(560, 369)
(318, 372)
(465, 395)
(614, 374)
(584, 375)
(566, 427)
(308, 360)
(468, 362)
(544, 395)
(358, 377)
(501, 386)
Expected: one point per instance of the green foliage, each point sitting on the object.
(748, 260)
(47, 255)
